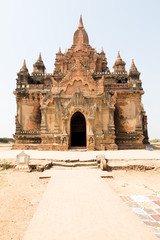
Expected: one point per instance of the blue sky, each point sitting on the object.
(33, 26)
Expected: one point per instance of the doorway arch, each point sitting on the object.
(78, 130)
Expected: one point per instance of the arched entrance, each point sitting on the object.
(78, 130)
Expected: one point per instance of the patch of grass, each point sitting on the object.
(155, 140)
(2, 173)
(5, 165)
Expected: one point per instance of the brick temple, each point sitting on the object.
(82, 104)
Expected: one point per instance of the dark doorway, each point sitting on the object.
(78, 130)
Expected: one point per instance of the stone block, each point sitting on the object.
(22, 162)
(102, 162)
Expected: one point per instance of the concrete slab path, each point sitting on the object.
(79, 205)
(86, 155)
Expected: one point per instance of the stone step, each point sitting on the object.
(75, 164)
(71, 168)
(72, 160)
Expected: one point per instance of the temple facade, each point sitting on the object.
(82, 104)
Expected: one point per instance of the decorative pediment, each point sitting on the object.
(82, 80)
(76, 103)
(78, 99)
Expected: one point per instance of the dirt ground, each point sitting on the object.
(156, 145)
(5, 146)
(135, 182)
(20, 194)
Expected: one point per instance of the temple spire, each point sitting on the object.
(24, 68)
(119, 65)
(59, 51)
(102, 51)
(40, 57)
(133, 64)
(24, 64)
(39, 67)
(80, 22)
(80, 35)
(118, 56)
(133, 70)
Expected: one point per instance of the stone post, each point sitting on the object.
(111, 121)
(18, 127)
(145, 131)
(22, 162)
(56, 126)
(65, 126)
(139, 128)
(90, 138)
(90, 120)
(43, 120)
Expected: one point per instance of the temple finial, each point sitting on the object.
(24, 68)
(119, 65)
(40, 57)
(80, 22)
(59, 50)
(118, 55)
(80, 36)
(39, 67)
(24, 64)
(132, 64)
(133, 70)
(102, 50)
